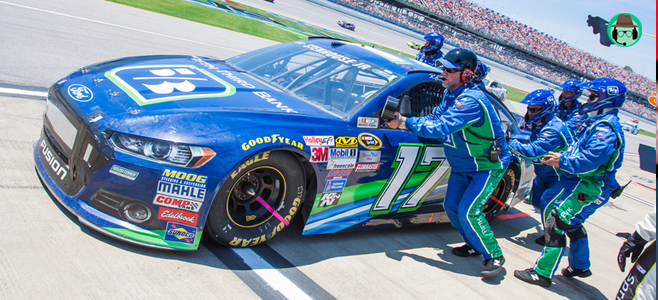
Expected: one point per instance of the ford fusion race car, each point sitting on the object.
(631, 126)
(155, 150)
(346, 25)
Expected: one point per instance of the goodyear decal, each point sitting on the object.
(273, 139)
(163, 83)
(369, 141)
(180, 233)
(346, 142)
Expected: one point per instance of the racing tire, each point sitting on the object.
(259, 199)
(492, 208)
(635, 132)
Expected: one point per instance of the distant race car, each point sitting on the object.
(155, 150)
(631, 126)
(414, 45)
(346, 25)
(495, 88)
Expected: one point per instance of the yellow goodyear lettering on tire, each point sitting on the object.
(257, 158)
(271, 139)
(346, 142)
(369, 141)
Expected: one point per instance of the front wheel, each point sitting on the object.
(259, 200)
(499, 196)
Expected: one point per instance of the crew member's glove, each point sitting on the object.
(633, 247)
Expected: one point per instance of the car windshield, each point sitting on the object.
(333, 81)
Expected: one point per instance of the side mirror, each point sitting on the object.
(405, 106)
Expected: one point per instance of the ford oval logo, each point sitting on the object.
(80, 93)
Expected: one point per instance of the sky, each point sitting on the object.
(566, 20)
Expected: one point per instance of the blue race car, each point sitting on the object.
(155, 150)
(346, 25)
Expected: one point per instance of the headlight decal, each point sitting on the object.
(162, 151)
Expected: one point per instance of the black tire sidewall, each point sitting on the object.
(508, 180)
(224, 231)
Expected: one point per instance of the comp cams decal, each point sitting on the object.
(162, 83)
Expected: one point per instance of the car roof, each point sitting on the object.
(393, 62)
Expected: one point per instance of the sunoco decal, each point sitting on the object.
(180, 233)
(370, 141)
(162, 83)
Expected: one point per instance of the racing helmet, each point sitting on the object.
(461, 58)
(541, 97)
(611, 93)
(481, 72)
(571, 85)
(436, 42)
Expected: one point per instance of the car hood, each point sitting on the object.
(160, 94)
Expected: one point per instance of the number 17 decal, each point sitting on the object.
(407, 162)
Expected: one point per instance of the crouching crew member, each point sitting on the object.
(588, 168)
(548, 133)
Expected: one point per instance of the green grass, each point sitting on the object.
(514, 94)
(647, 133)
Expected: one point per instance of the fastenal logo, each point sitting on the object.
(625, 30)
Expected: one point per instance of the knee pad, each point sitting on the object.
(551, 237)
(577, 234)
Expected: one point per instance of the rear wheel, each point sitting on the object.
(499, 196)
(258, 201)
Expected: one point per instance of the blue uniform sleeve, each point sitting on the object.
(548, 140)
(462, 114)
(599, 147)
(575, 122)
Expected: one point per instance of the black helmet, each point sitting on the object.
(460, 58)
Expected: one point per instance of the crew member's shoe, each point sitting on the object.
(540, 241)
(530, 276)
(492, 266)
(465, 251)
(570, 272)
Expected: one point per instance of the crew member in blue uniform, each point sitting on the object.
(569, 105)
(467, 124)
(431, 51)
(547, 133)
(588, 168)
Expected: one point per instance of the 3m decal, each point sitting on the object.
(272, 139)
(319, 154)
(369, 141)
(334, 185)
(407, 162)
(123, 172)
(346, 142)
(337, 153)
(363, 122)
(320, 141)
(329, 199)
(80, 93)
(366, 167)
(161, 83)
(175, 215)
(180, 233)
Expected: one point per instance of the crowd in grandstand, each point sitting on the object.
(502, 28)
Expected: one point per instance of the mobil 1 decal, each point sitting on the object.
(417, 171)
(161, 83)
(181, 190)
